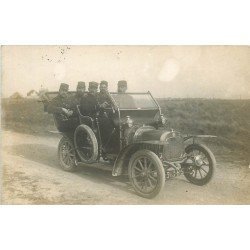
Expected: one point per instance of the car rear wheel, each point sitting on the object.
(200, 164)
(146, 173)
(86, 144)
(67, 154)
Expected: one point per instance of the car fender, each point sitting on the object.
(193, 137)
(123, 157)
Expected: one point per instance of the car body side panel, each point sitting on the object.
(119, 162)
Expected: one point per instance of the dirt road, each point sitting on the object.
(32, 175)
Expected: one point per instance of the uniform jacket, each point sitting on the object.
(103, 97)
(89, 105)
(75, 101)
(56, 104)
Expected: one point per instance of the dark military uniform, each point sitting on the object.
(57, 104)
(75, 100)
(89, 104)
(55, 107)
(103, 96)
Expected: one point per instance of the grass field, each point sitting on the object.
(227, 119)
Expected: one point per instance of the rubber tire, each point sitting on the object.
(92, 136)
(212, 163)
(161, 172)
(63, 165)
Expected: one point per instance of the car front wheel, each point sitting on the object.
(146, 173)
(200, 164)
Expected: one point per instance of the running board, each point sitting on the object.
(99, 165)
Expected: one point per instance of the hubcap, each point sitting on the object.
(200, 165)
(198, 160)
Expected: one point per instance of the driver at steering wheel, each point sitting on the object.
(103, 97)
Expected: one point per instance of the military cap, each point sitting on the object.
(104, 83)
(93, 84)
(81, 85)
(64, 86)
(122, 83)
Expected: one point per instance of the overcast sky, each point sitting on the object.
(166, 71)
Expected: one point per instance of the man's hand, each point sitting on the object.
(67, 112)
(104, 105)
(70, 112)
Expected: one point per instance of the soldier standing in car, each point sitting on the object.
(89, 104)
(61, 108)
(107, 126)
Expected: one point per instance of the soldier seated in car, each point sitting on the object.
(75, 100)
(80, 92)
(61, 108)
(122, 87)
(124, 100)
(89, 105)
(103, 95)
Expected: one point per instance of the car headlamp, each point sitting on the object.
(162, 120)
(129, 121)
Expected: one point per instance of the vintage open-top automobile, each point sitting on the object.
(131, 136)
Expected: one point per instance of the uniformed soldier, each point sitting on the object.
(80, 90)
(76, 99)
(103, 97)
(123, 99)
(122, 87)
(106, 123)
(60, 107)
(89, 104)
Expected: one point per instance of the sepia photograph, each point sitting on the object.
(125, 125)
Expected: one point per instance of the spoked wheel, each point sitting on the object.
(200, 164)
(86, 144)
(146, 173)
(67, 154)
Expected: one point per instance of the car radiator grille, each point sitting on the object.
(173, 149)
(157, 149)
